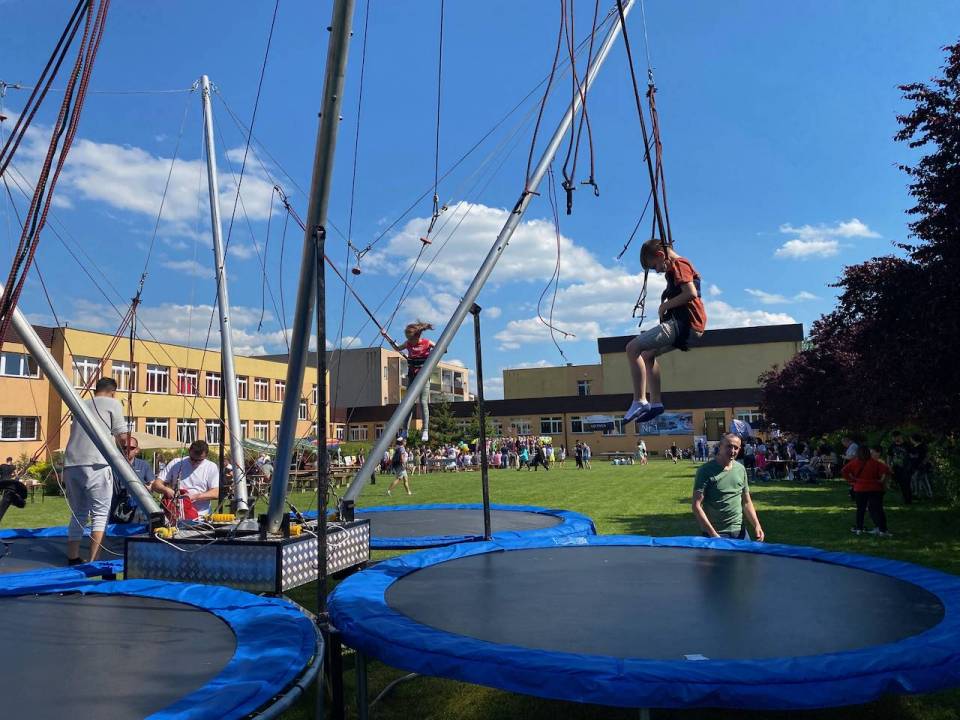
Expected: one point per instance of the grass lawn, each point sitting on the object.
(651, 500)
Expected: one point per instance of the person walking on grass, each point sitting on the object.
(867, 477)
(587, 454)
(399, 466)
(721, 495)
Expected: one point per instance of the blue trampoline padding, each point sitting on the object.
(116, 530)
(922, 663)
(572, 524)
(59, 577)
(275, 642)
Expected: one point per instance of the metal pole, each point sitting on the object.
(503, 239)
(88, 420)
(337, 51)
(229, 385)
(482, 416)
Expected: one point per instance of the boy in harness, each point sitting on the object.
(683, 319)
(416, 349)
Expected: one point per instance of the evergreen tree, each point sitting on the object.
(473, 429)
(443, 428)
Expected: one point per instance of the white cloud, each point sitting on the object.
(723, 315)
(242, 251)
(493, 388)
(525, 365)
(455, 361)
(189, 267)
(714, 291)
(777, 299)
(811, 241)
(492, 312)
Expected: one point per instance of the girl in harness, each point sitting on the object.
(416, 349)
(682, 320)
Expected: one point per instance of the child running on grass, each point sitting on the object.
(682, 319)
(416, 349)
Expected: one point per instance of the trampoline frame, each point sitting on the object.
(572, 524)
(262, 678)
(925, 662)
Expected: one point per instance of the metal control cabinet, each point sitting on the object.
(247, 562)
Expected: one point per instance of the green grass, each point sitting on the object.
(651, 500)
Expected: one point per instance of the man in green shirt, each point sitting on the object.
(721, 496)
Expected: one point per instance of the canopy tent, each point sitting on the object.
(149, 441)
(303, 445)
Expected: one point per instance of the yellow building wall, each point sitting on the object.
(552, 381)
(710, 368)
(24, 397)
(70, 343)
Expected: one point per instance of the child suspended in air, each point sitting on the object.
(682, 319)
(416, 350)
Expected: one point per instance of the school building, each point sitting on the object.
(703, 389)
(168, 390)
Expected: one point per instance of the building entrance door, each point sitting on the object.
(714, 424)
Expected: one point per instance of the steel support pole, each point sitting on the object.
(482, 417)
(473, 291)
(337, 52)
(90, 423)
(229, 385)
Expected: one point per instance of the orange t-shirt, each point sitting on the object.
(681, 272)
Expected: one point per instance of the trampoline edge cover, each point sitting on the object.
(924, 662)
(274, 642)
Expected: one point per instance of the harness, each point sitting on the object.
(680, 315)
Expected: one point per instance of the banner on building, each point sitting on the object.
(668, 424)
(603, 423)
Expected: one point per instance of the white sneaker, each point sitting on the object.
(425, 436)
(637, 408)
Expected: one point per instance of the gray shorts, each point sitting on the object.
(89, 492)
(659, 338)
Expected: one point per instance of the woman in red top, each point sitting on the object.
(416, 349)
(867, 475)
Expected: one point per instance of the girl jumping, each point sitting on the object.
(416, 350)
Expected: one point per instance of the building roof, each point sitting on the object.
(718, 338)
(616, 403)
(45, 333)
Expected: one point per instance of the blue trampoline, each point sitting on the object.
(660, 622)
(145, 649)
(422, 526)
(26, 551)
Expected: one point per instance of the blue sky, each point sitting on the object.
(777, 124)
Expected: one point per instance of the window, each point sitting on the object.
(519, 426)
(18, 428)
(338, 432)
(276, 429)
(279, 390)
(242, 387)
(316, 400)
(753, 417)
(576, 424)
(18, 365)
(446, 381)
(617, 426)
(583, 387)
(125, 374)
(358, 433)
(214, 385)
(458, 383)
(214, 431)
(186, 430)
(131, 424)
(551, 425)
(243, 429)
(158, 379)
(378, 431)
(261, 389)
(304, 415)
(261, 429)
(158, 426)
(86, 370)
(386, 372)
(497, 427)
(187, 382)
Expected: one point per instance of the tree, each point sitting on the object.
(886, 354)
(443, 428)
(473, 430)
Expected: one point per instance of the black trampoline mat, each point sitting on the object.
(664, 603)
(453, 521)
(42, 553)
(101, 657)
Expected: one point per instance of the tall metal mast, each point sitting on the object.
(311, 270)
(229, 385)
(470, 297)
(90, 423)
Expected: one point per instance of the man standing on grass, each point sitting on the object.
(721, 495)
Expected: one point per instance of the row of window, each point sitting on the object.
(86, 371)
(188, 429)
